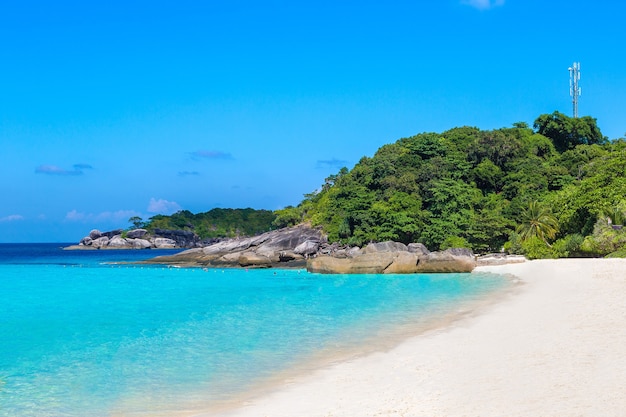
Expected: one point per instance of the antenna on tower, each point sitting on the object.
(574, 88)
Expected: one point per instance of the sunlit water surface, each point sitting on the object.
(83, 337)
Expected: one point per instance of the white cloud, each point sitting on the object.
(74, 216)
(162, 206)
(12, 218)
(483, 4)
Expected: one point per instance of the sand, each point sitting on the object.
(556, 347)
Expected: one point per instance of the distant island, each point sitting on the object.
(557, 189)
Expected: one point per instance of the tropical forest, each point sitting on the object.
(556, 189)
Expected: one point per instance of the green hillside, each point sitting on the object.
(545, 191)
(216, 223)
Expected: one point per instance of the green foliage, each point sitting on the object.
(454, 242)
(537, 248)
(476, 188)
(567, 132)
(513, 188)
(537, 222)
(137, 222)
(289, 216)
(568, 246)
(217, 222)
(604, 240)
(617, 213)
(514, 245)
(600, 190)
(621, 253)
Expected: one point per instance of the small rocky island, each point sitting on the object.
(140, 239)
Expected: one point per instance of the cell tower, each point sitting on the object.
(574, 88)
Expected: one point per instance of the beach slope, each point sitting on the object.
(557, 347)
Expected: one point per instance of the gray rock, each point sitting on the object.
(499, 259)
(118, 241)
(164, 243)
(418, 248)
(100, 242)
(140, 243)
(277, 247)
(370, 263)
(248, 259)
(388, 246)
(307, 248)
(289, 256)
(86, 241)
(95, 234)
(112, 233)
(446, 261)
(403, 263)
(181, 238)
(136, 233)
(459, 251)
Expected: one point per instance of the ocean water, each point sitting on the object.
(83, 336)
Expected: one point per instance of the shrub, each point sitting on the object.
(454, 242)
(537, 248)
(568, 246)
(620, 253)
(514, 245)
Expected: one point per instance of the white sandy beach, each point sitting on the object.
(555, 348)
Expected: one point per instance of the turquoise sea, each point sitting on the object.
(83, 336)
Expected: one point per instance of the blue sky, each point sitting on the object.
(138, 108)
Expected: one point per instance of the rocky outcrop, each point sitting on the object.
(296, 247)
(138, 239)
(499, 259)
(284, 248)
(395, 258)
(303, 246)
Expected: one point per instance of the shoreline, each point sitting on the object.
(553, 348)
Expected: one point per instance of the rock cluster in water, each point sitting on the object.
(303, 246)
(139, 239)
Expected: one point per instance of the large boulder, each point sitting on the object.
(275, 248)
(308, 247)
(391, 259)
(95, 234)
(499, 259)
(118, 242)
(112, 233)
(140, 243)
(164, 243)
(403, 263)
(181, 238)
(372, 263)
(252, 259)
(447, 261)
(100, 242)
(418, 248)
(388, 246)
(136, 233)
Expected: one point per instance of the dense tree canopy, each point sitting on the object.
(217, 223)
(567, 132)
(476, 188)
(547, 191)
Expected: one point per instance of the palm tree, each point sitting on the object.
(538, 221)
